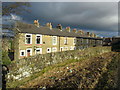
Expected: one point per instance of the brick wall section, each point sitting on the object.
(22, 68)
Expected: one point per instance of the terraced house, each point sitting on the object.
(32, 39)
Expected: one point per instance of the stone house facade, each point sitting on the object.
(35, 39)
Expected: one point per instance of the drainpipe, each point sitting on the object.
(59, 43)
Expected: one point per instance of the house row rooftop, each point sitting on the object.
(49, 30)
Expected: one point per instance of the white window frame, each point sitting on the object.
(101, 42)
(53, 40)
(21, 52)
(54, 50)
(30, 51)
(65, 40)
(74, 48)
(71, 48)
(40, 39)
(49, 51)
(38, 49)
(87, 41)
(30, 38)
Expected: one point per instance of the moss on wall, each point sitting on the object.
(25, 67)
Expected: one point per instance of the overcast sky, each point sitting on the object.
(98, 17)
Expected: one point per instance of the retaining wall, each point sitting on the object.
(22, 68)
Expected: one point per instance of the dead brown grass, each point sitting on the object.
(82, 74)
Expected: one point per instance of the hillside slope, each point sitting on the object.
(95, 72)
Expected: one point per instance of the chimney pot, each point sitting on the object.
(59, 26)
(92, 35)
(49, 25)
(80, 31)
(36, 23)
(68, 29)
(74, 30)
(88, 34)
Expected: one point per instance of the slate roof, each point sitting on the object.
(30, 28)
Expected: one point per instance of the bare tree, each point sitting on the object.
(15, 8)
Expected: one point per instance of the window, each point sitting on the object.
(38, 39)
(83, 41)
(74, 41)
(101, 42)
(54, 40)
(71, 48)
(22, 52)
(48, 50)
(65, 40)
(74, 48)
(87, 41)
(28, 39)
(38, 51)
(29, 52)
(54, 49)
(90, 41)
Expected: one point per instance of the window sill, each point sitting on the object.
(22, 56)
(65, 44)
(28, 44)
(38, 44)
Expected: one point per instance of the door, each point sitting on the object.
(28, 52)
(61, 49)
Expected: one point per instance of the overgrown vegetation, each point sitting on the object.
(84, 74)
(110, 77)
(5, 59)
(45, 70)
(80, 73)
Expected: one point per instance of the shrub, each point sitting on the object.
(5, 58)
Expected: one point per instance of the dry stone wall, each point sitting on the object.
(22, 68)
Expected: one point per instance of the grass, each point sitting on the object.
(15, 84)
(109, 78)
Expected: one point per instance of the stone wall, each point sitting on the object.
(25, 67)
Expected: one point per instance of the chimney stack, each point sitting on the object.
(68, 29)
(36, 23)
(95, 35)
(88, 34)
(81, 32)
(74, 30)
(49, 25)
(59, 26)
(92, 35)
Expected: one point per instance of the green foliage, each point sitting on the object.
(11, 42)
(5, 59)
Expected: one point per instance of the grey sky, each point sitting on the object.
(91, 16)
